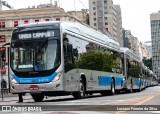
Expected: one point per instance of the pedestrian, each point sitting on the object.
(20, 97)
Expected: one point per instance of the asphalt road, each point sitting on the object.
(147, 100)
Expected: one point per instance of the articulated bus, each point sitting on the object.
(145, 75)
(153, 79)
(66, 58)
(150, 79)
(62, 58)
(132, 70)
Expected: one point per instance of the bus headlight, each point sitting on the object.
(13, 81)
(57, 77)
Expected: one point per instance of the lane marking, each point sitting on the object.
(128, 100)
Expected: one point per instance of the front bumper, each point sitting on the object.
(43, 87)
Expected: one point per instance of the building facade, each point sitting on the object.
(106, 17)
(126, 34)
(155, 37)
(131, 42)
(135, 46)
(119, 24)
(83, 15)
(144, 52)
(148, 45)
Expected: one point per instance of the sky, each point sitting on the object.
(135, 13)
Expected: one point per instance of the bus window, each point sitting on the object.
(122, 64)
(68, 55)
(67, 49)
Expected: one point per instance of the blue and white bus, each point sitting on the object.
(62, 58)
(145, 76)
(132, 70)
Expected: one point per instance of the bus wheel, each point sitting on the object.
(38, 97)
(112, 91)
(81, 93)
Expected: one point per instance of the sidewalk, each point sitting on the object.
(8, 95)
(12, 97)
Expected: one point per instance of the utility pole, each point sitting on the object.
(51, 9)
(2, 64)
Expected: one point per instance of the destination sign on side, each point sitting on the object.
(36, 35)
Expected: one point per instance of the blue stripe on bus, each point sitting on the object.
(118, 81)
(104, 81)
(44, 79)
(137, 82)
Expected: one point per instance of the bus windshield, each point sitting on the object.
(35, 55)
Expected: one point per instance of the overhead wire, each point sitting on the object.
(82, 4)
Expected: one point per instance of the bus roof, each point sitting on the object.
(130, 54)
(90, 33)
(79, 29)
(38, 24)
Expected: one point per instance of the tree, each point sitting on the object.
(148, 63)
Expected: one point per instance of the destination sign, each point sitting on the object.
(35, 35)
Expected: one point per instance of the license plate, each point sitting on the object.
(34, 87)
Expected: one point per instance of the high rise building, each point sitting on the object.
(135, 45)
(144, 52)
(131, 42)
(119, 24)
(106, 17)
(126, 34)
(148, 45)
(155, 37)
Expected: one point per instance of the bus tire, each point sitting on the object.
(81, 93)
(38, 97)
(112, 91)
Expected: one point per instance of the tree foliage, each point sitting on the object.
(100, 61)
(148, 63)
